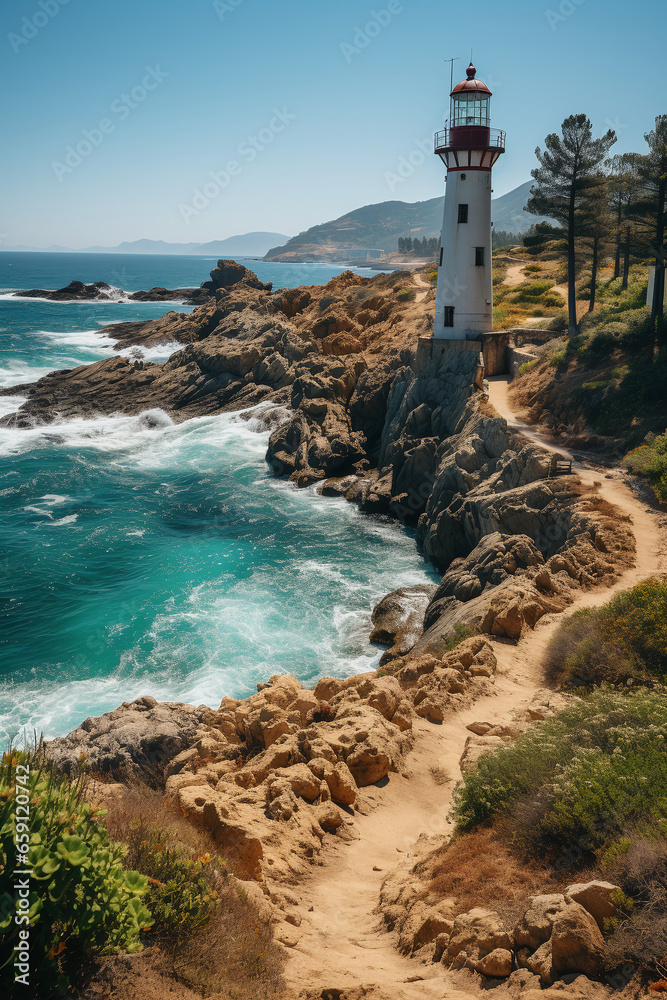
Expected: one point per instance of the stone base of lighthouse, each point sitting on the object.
(495, 353)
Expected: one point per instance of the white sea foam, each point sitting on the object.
(69, 519)
(19, 373)
(157, 352)
(129, 436)
(39, 510)
(89, 339)
(10, 404)
(15, 297)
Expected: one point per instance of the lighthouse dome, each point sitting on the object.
(471, 85)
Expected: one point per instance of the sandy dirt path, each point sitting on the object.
(422, 283)
(515, 275)
(341, 942)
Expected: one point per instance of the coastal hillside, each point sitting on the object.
(375, 229)
(285, 823)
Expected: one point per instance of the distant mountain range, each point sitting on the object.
(374, 229)
(247, 245)
(368, 232)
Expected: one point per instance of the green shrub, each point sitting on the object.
(622, 641)
(650, 460)
(460, 634)
(526, 366)
(406, 295)
(499, 273)
(82, 900)
(600, 383)
(560, 322)
(531, 291)
(579, 778)
(553, 300)
(532, 269)
(558, 358)
(181, 892)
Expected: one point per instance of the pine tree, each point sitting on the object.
(565, 179)
(624, 190)
(650, 211)
(595, 225)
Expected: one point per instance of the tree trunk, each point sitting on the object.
(571, 265)
(626, 259)
(658, 304)
(617, 255)
(594, 273)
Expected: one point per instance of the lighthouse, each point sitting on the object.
(468, 147)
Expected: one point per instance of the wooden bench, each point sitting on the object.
(560, 467)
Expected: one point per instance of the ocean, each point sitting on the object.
(141, 557)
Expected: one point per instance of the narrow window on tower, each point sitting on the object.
(442, 249)
(479, 256)
(449, 315)
(463, 213)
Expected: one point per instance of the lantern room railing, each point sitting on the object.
(469, 137)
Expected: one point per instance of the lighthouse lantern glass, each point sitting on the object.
(470, 109)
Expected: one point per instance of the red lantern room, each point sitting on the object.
(469, 128)
(470, 101)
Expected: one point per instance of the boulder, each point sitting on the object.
(576, 942)
(477, 933)
(302, 781)
(338, 779)
(498, 963)
(540, 963)
(476, 747)
(595, 897)
(424, 925)
(135, 741)
(534, 927)
(368, 764)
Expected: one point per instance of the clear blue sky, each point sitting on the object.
(360, 102)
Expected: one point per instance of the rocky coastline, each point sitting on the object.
(100, 291)
(278, 778)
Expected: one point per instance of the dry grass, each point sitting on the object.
(483, 869)
(233, 955)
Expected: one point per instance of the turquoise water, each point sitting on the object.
(141, 557)
(134, 271)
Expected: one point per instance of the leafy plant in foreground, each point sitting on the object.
(82, 901)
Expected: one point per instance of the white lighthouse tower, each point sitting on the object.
(469, 147)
